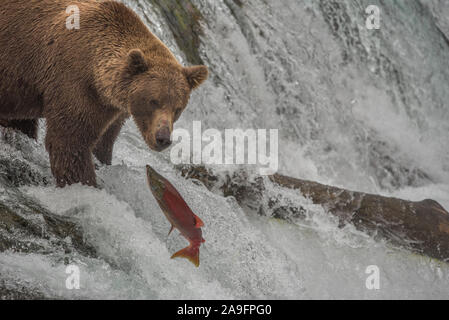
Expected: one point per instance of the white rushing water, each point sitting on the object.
(362, 109)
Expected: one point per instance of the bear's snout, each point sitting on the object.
(163, 140)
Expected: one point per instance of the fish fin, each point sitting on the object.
(203, 240)
(171, 229)
(198, 222)
(191, 253)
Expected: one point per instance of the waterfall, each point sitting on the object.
(362, 109)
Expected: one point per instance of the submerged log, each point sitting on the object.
(422, 226)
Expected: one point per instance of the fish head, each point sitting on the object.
(156, 182)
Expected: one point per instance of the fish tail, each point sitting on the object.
(192, 253)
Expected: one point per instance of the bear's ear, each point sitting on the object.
(136, 62)
(196, 75)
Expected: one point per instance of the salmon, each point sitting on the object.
(179, 214)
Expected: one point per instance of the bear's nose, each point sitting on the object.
(163, 138)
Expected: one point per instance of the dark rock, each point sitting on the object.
(19, 292)
(26, 227)
(183, 18)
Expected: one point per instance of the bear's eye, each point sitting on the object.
(154, 103)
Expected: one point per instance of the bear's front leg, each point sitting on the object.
(70, 166)
(70, 159)
(71, 136)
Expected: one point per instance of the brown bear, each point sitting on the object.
(87, 81)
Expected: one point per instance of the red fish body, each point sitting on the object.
(178, 214)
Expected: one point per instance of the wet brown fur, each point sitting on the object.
(86, 82)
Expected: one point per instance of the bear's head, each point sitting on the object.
(158, 95)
